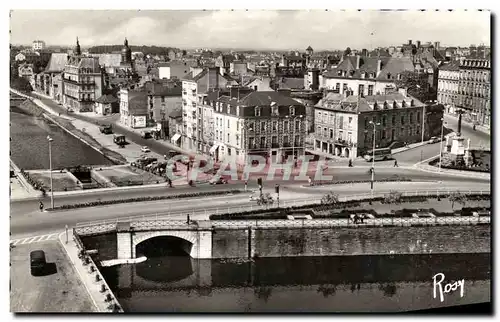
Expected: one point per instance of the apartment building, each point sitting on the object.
(466, 85)
(194, 89)
(268, 124)
(343, 128)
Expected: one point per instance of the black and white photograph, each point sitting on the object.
(250, 161)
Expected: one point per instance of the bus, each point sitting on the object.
(380, 154)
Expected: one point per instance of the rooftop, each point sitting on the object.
(57, 63)
(357, 104)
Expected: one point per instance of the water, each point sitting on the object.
(29, 147)
(303, 284)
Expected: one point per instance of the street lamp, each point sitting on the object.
(373, 152)
(50, 169)
(441, 143)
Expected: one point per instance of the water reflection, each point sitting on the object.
(325, 284)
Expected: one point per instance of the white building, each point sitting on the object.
(38, 45)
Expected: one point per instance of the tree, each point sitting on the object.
(330, 198)
(347, 51)
(416, 84)
(458, 197)
(393, 197)
(184, 53)
(21, 84)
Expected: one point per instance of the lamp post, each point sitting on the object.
(441, 144)
(373, 153)
(50, 169)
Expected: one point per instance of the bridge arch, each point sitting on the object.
(188, 236)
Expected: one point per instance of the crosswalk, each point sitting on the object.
(34, 239)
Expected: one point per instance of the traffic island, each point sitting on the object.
(61, 291)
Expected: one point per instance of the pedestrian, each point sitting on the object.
(246, 183)
(350, 163)
(41, 206)
(396, 164)
(188, 219)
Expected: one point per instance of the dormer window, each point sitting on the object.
(228, 109)
(292, 110)
(257, 111)
(389, 76)
(372, 75)
(363, 74)
(274, 109)
(339, 73)
(394, 105)
(399, 77)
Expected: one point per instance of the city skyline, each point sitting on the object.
(230, 29)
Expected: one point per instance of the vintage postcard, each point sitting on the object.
(250, 161)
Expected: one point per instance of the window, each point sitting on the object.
(286, 126)
(228, 135)
(383, 120)
(274, 109)
(262, 126)
(274, 141)
(297, 125)
(285, 140)
(228, 151)
(341, 122)
(337, 86)
(257, 111)
(325, 132)
(319, 130)
(418, 116)
(361, 90)
(237, 126)
(402, 120)
(275, 126)
(262, 142)
(344, 88)
(350, 120)
(331, 133)
(411, 118)
(366, 123)
(383, 134)
(228, 109)
(370, 90)
(228, 124)
(393, 122)
(251, 142)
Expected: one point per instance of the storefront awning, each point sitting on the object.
(213, 148)
(176, 137)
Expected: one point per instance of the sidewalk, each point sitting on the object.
(88, 278)
(460, 173)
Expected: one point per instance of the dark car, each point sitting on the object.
(37, 262)
(220, 180)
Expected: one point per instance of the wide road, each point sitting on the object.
(132, 136)
(338, 173)
(38, 223)
(477, 138)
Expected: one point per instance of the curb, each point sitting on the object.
(78, 271)
(423, 166)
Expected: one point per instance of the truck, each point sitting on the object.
(106, 129)
(119, 139)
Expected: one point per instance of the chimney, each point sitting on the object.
(418, 43)
(379, 67)
(409, 42)
(358, 60)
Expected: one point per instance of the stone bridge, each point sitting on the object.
(198, 239)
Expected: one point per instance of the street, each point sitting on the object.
(477, 138)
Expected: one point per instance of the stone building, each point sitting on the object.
(133, 108)
(268, 124)
(466, 85)
(82, 81)
(342, 123)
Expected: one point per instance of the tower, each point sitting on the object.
(78, 51)
(126, 53)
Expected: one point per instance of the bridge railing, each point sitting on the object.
(345, 222)
(206, 212)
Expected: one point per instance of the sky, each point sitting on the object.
(257, 29)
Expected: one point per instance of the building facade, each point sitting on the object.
(133, 108)
(466, 85)
(163, 98)
(38, 45)
(343, 128)
(366, 76)
(82, 82)
(194, 89)
(268, 124)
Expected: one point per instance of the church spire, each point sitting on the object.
(78, 51)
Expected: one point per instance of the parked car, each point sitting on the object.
(37, 262)
(106, 129)
(145, 149)
(218, 181)
(434, 139)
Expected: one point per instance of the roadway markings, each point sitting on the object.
(33, 239)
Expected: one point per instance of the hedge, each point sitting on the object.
(275, 211)
(141, 199)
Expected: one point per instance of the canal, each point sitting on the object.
(29, 147)
(388, 283)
